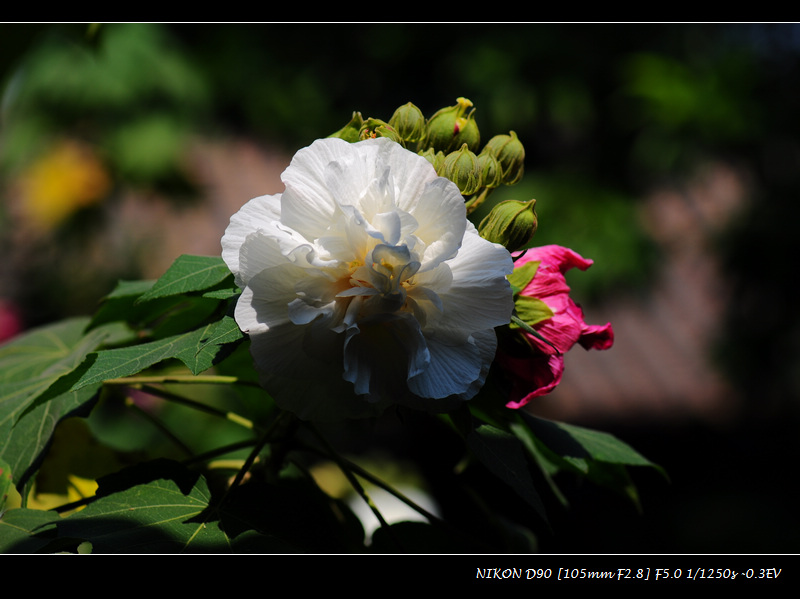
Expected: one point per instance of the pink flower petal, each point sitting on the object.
(539, 372)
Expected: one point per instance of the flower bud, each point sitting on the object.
(451, 127)
(350, 131)
(372, 128)
(409, 123)
(510, 154)
(489, 168)
(461, 167)
(511, 223)
(435, 158)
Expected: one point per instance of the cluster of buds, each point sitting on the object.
(451, 142)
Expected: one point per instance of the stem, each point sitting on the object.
(347, 471)
(389, 489)
(211, 454)
(231, 416)
(181, 378)
(251, 458)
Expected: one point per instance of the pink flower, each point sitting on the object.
(537, 368)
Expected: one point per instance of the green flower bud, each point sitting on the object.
(461, 167)
(369, 128)
(435, 158)
(510, 154)
(387, 131)
(489, 167)
(409, 123)
(511, 224)
(351, 130)
(451, 127)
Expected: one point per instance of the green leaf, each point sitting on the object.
(198, 350)
(574, 441)
(119, 305)
(32, 398)
(502, 453)
(6, 484)
(165, 515)
(597, 455)
(163, 507)
(26, 531)
(188, 274)
(211, 344)
(523, 275)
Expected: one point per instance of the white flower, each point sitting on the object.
(365, 273)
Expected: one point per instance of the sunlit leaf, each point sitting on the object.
(197, 349)
(155, 517)
(189, 273)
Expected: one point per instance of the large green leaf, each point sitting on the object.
(188, 274)
(198, 350)
(572, 441)
(596, 455)
(27, 531)
(160, 317)
(159, 516)
(31, 400)
(6, 484)
(162, 507)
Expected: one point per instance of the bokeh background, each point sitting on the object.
(668, 154)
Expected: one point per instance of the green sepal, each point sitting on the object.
(522, 276)
(532, 310)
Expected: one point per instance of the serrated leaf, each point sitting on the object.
(502, 453)
(210, 341)
(223, 294)
(198, 350)
(188, 274)
(155, 517)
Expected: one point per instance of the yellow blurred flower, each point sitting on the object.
(77, 488)
(68, 177)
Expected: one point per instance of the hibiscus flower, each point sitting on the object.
(536, 367)
(364, 284)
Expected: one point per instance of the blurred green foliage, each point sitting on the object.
(605, 110)
(125, 87)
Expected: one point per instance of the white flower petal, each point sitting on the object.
(365, 276)
(452, 370)
(254, 214)
(382, 353)
(479, 296)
